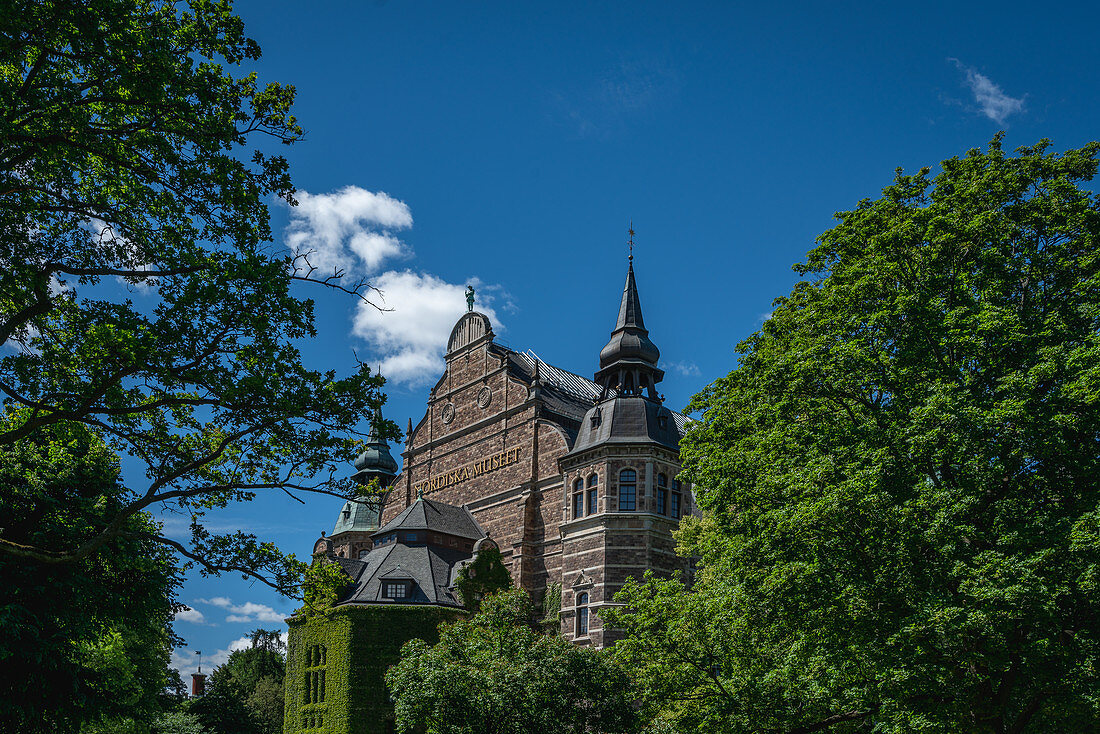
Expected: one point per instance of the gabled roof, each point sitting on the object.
(425, 514)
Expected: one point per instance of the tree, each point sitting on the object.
(126, 173)
(495, 674)
(899, 478)
(179, 722)
(483, 576)
(86, 642)
(254, 677)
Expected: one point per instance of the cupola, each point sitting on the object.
(375, 461)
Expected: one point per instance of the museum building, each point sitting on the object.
(573, 480)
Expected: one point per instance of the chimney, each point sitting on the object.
(198, 684)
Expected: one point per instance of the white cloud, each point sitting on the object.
(412, 337)
(994, 103)
(351, 229)
(247, 612)
(187, 614)
(685, 368)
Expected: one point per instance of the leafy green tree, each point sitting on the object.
(86, 642)
(222, 710)
(900, 477)
(139, 292)
(483, 576)
(253, 677)
(495, 674)
(178, 722)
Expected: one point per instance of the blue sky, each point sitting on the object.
(510, 144)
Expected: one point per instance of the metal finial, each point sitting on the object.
(630, 241)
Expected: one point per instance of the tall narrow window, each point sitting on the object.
(578, 498)
(593, 481)
(314, 692)
(628, 490)
(582, 614)
(676, 497)
(662, 494)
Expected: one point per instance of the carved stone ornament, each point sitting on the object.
(484, 397)
(583, 580)
(448, 413)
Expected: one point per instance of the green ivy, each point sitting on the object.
(485, 575)
(551, 607)
(361, 642)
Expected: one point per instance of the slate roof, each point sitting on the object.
(632, 420)
(428, 567)
(425, 514)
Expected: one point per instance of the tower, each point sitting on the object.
(622, 499)
(351, 537)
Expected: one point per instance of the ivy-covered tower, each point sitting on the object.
(402, 587)
(622, 499)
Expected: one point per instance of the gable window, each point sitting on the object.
(395, 589)
(662, 494)
(676, 498)
(582, 614)
(578, 498)
(593, 481)
(628, 490)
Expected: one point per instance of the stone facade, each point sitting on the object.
(500, 438)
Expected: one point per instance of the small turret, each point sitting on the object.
(375, 461)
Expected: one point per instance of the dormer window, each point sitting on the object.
(597, 418)
(395, 589)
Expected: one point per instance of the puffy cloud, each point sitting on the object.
(187, 614)
(350, 229)
(991, 99)
(247, 612)
(252, 612)
(412, 336)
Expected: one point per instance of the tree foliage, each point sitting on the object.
(139, 293)
(484, 575)
(900, 475)
(495, 674)
(87, 641)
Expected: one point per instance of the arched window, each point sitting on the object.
(582, 614)
(676, 499)
(628, 490)
(578, 498)
(593, 481)
(662, 494)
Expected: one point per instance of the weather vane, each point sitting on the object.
(631, 240)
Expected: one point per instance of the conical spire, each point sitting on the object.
(630, 310)
(628, 364)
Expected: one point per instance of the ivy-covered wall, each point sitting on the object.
(337, 661)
